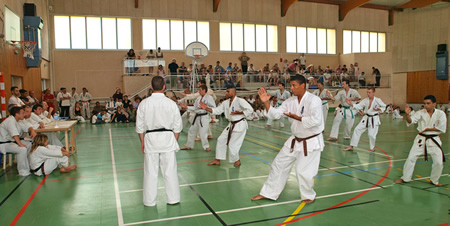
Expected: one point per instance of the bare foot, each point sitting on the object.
(346, 138)
(197, 139)
(372, 150)
(308, 201)
(437, 185)
(210, 137)
(237, 163)
(64, 170)
(208, 149)
(258, 197)
(349, 148)
(399, 181)
(214, 162)
(72, 167)
(283, 127)
(331, 138)
(267, 126)
(186, 148)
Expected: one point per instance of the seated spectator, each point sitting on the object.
(50, 99)
(77, 113)
(24, 97)
(15, 98)
(362, 79)
(118, 94)
(137, 101)
(111, 106)
(229, 68)
(120, 115)
(45, 158)
(265, 72)
(47, 111)
(33, 100)
(97, 107)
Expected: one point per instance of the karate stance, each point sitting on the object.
(303, 148)
(201, 120)
(431, 124)
(236, 110)
(346, 112)
(158, 124)
(325, 96)
(85, 99)
(45, 158)
(373, 106)
(281, 94)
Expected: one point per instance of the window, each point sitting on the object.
(12, 26)
(310, 40)
(173, 34)
(363, 42)
(248, 37)
(79, 32)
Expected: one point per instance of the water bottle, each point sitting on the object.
(56, 117)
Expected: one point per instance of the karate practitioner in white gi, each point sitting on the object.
(73, 100)
(303, 148)
(85, 99)
(281, 94)
(346, 113)
(14, 99)
(373, 106)
(38, 122)
(158, 124)
(236, 110)
(431, 124)
(45, 158)
(201, 119)
(10, 142)
(325, 96)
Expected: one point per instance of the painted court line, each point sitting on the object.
(116, 185)
(252, 207)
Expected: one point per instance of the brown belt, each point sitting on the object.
(230, 130)
(434, 141)
(305, 146)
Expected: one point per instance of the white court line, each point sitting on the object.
(200, 183)
(116, 185)
(254, 207)
(355, 148)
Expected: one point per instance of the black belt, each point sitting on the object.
(41, 167)
(370, 116)
(199, 115)
(159, 130)
(305, 146)
(434, 141)
(230, 131)
(10, 141)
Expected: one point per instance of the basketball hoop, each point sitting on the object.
(28, 48)
(198, 56)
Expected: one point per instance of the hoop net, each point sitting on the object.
(28, 48)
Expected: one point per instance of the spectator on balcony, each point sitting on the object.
(162, 73)
(377, 74)
(293, 68)
(150, 56)
(285, 65)
(274, 75)
(218, 72)
(131, 56)
(182, 79)
(302, 61)
(362, 79)
(356, 69)
(229, 68)
(159, 54)
(173, 69)
(265, 72)
(244, 62)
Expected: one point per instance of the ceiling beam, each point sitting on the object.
(136, 4)
(337, 2)
(414, 4)
(215, 5)
(285, 4)
(348, 6)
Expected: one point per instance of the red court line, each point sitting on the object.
(349, 200)
(124, 171)
(28, 202)
(75, 135)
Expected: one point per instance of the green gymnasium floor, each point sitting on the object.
(353, 188)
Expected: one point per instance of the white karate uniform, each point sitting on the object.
(73, 100)
(423, 120)
(239, 131)
(13, 100)
(280, 98)
(52, 136)
(201, 124)
(396, 114)
(158, 112)
(325, 106)
(346, 113)
(85, 98)
(8, 129)
(310, 109)
(188, 116)
(111, 106)
(51, 156)
(371, 123)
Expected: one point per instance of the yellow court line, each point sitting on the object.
(295, 213)
(268, 145)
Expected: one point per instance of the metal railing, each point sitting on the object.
(142, 66)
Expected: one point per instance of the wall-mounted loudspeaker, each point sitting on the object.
(442, 47)
(29, 9)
